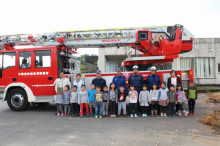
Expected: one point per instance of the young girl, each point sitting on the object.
(67, 100)
(113, 99)
(144, 98)
(133, 96)
(59, 103)
(154, 100)
(180, 100)
(163, 99)
(192, 97)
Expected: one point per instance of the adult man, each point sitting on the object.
(119, 80)
(78, 82)
(153, 78)
(99, 81)
(136, 79)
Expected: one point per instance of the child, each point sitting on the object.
(154, 100)
(143, 100)
(91, 94)
(192, 97)
(133, 96)
(172, 101)
(98, 102)
(113, 99)
(180, 100)
(59, 103)
(105, 101)
(74, 100)
(67, 100)
(121, 101)
(83, 100)
(163, 99)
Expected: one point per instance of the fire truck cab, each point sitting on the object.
(28, 74)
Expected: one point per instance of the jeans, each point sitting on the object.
(133, 108)
(67, 108)
(191, 103)
(172, 108)
(98, 109)
(122, 105)
(105, 108)
(75, 109)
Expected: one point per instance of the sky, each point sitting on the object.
(41, 16)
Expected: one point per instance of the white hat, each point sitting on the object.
(153, 68)
(135, 67)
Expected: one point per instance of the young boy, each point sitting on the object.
(121, 101)
(105, 101)
(98, 102)
(91, 94)
(144, 98)
(83, 100)
(133, 96)
(191, 97)
(172, 101)
(74, 100)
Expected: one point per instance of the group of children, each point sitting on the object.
(164, 101)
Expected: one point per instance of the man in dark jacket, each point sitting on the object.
(136, 79)
(99, 81)
(120, 80)
(153, 78)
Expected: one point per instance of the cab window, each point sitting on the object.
(42, 59)
(9, 60)
(25, 60)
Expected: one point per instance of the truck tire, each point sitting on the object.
(17, 100)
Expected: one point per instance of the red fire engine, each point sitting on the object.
(29, 65)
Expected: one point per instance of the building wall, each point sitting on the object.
(204, 50)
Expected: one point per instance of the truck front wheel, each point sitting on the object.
(17, 100)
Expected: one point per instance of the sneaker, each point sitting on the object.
(100, 117)
(185, 114)
(58, 114)
(193, 114)
(114, 116)
(180, 114)
(111, 116)
(161, 114)
(164, 114)
(152, 115)
(125, 115)
(143, 115)
(81, 116)
(73, 115)
(135, 115)
(62, 115)
(174, 115)
(190, 114)
(169, 115)
(131, 116)
(96, 117)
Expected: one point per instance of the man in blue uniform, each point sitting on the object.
(153, 78)
(136, 79)
(99, 81)
(119, 80)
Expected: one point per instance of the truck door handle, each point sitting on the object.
(50, 78)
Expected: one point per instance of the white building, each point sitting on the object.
(204, 59)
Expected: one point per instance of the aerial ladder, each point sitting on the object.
(157, 45)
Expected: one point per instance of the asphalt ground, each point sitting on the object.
(39, 126)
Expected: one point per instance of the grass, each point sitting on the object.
(213, 97)
(206, 88)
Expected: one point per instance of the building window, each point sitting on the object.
(25, 60)
(9, 60)
(203, 67)
(219, 67)
(111, 66)
(42, 59)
